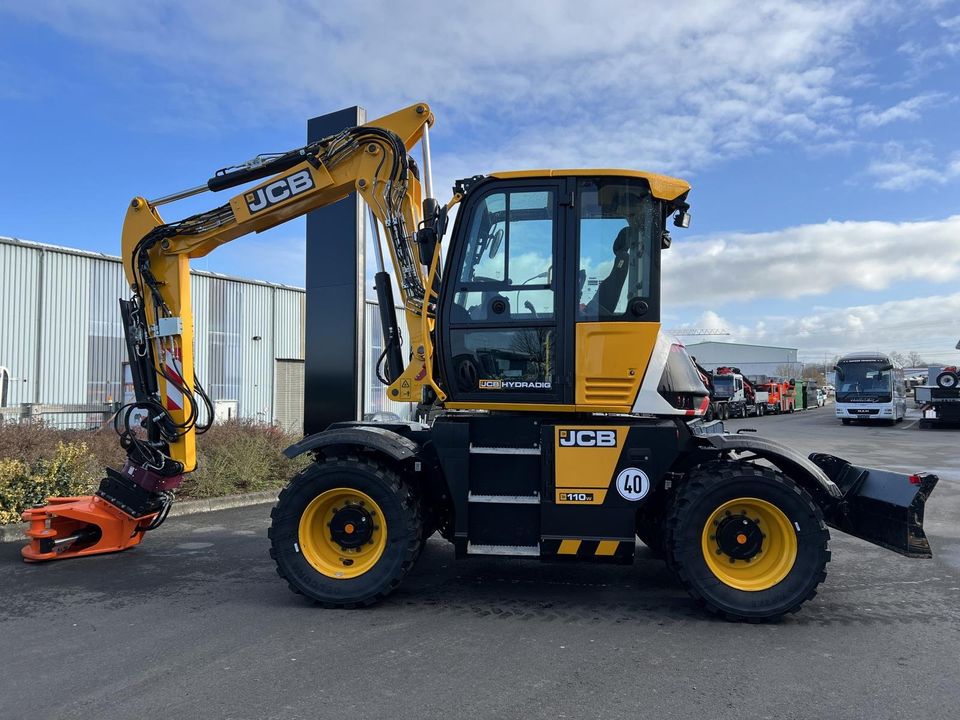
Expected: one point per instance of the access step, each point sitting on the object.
(505, 499)
(491, 450)
(505, 550)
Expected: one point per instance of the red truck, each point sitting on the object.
(780, 396)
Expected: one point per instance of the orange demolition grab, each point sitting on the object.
(75, 526)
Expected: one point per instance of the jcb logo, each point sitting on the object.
(490, 384)
(588, 438)
(277, 192)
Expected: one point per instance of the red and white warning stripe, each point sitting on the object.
(173, 373)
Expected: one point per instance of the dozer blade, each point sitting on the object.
(74, 526)
(879, 506)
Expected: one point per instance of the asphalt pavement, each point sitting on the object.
(195, 623)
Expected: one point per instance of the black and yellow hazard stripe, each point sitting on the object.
(588, 549)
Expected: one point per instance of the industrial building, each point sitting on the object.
(753, 360)
(61, 340)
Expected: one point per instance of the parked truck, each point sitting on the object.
(781, 396)
(939, 397)
(732, 394)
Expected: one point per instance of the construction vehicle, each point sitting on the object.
(939, 398)
(780, 396)
(731, 393)
(736, 395)
(562, 421)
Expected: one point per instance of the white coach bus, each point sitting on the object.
(870, 387)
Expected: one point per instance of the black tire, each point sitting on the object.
(761, 411)
(948, 380)
(705, 490)
(396, 502)
(846, 421)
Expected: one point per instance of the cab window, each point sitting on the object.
(507, 269)
(618, 222)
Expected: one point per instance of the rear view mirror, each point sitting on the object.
(886, 368)
(838, 371)
(495, 241)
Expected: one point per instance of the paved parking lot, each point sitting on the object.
(195, 623)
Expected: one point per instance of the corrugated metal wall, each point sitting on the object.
(375, 397)
(62, 340)
(19, 323)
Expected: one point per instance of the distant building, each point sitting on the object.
(753, 360)
(61, 340)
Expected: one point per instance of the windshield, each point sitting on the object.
(864, 378)
(723, 386)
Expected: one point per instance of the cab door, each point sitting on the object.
(618, 226)
(501, 305)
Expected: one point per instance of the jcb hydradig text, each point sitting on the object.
(563, 423)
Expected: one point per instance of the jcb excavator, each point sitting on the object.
(562, 422)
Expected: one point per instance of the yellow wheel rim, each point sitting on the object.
(342, 533)
(749, 544)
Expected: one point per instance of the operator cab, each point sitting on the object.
(553, 275)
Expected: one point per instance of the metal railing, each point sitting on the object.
(78, 416)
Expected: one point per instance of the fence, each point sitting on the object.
(86, 417)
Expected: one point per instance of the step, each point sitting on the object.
(480, 450)
(505, 499)
(508, 550)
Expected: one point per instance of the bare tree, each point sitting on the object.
(916, 359)
(787, 370)
(898, 358)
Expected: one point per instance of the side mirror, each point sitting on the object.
(886, 368)
(665, 240)
(495, 242)
(682, 219)
(838, 371)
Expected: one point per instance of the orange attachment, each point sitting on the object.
(69, 527)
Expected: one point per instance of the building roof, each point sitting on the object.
(5, 240)
(715, 343)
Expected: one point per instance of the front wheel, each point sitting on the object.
(747, 542)
(345, 531)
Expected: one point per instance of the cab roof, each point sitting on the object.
(662, 187)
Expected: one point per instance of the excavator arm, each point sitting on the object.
(371, 160)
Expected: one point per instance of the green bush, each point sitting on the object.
(240, 456)
(24, 485)
(38, 461)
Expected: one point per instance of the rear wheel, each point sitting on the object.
(747, 542)
(345, 531)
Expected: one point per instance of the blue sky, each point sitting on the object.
(822, 139)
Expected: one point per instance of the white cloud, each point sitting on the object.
(905, 110)
(903, 168)
(926, 324)
(556, 84)
(809, 260)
